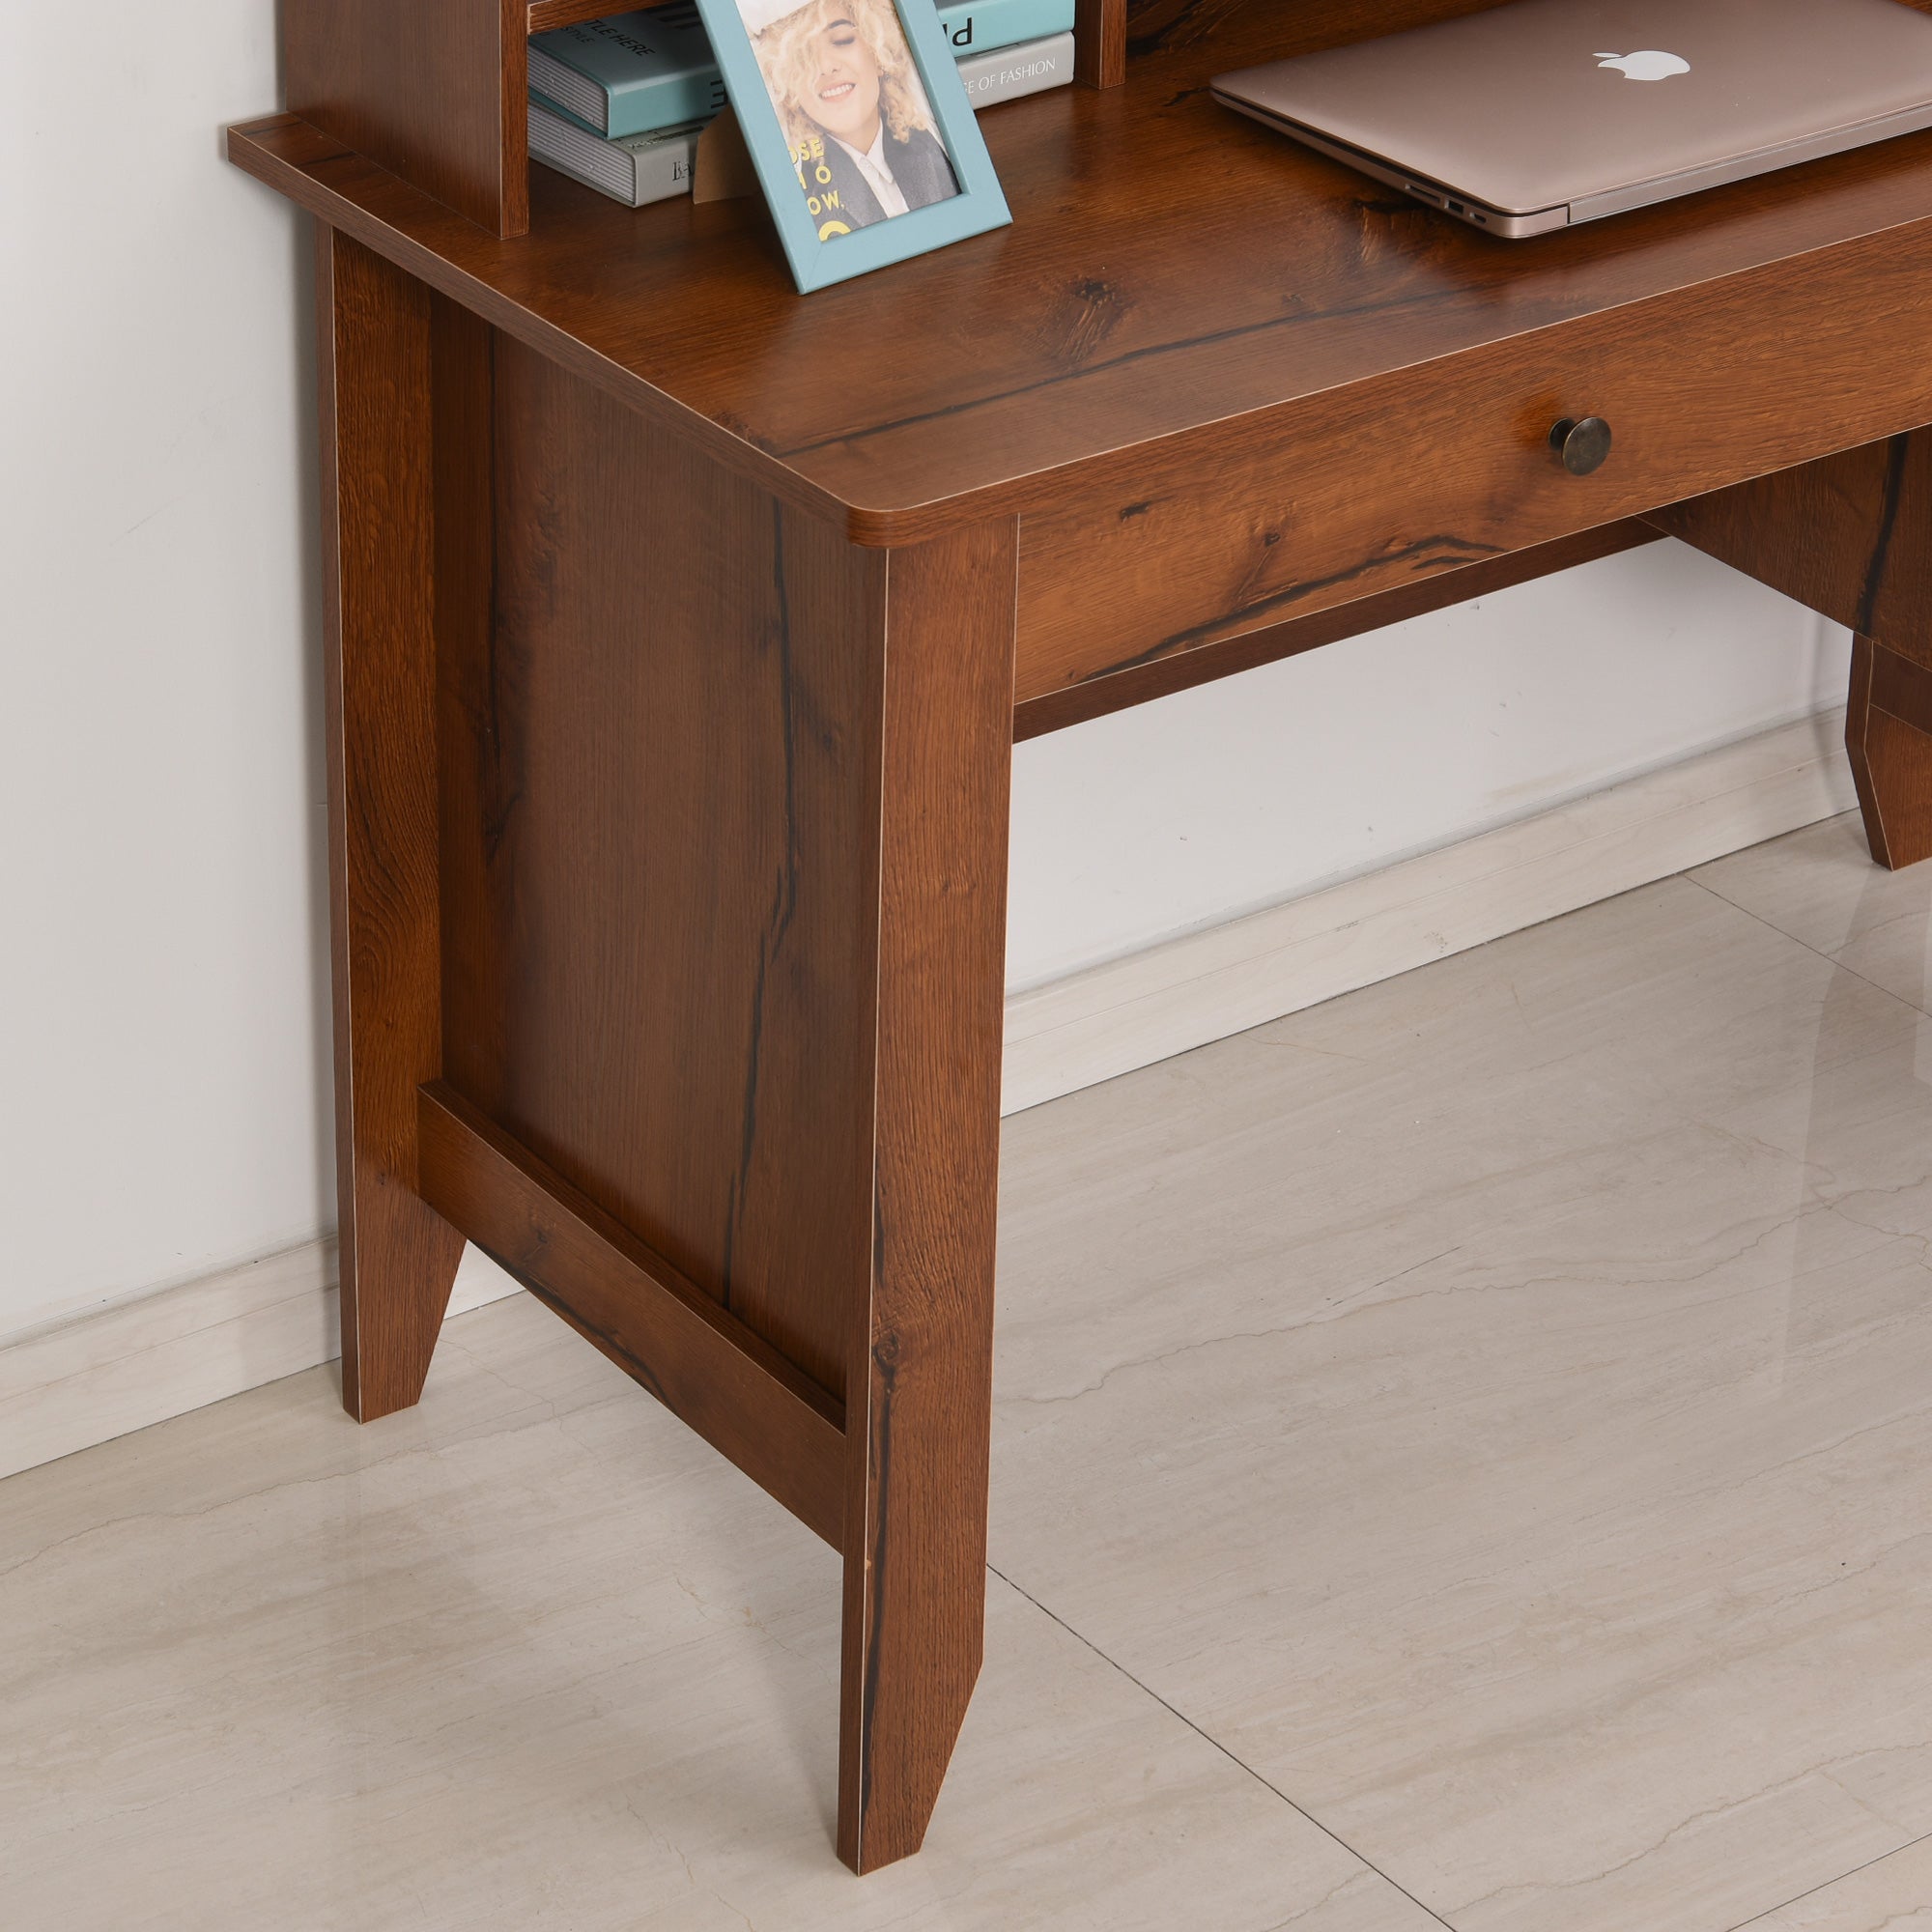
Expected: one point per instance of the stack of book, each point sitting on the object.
(619, 103)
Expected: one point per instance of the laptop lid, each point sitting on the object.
(1543, 102)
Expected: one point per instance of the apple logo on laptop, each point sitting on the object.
(1650, 66)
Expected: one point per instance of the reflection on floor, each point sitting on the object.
(1463, 1456)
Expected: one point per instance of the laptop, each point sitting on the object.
(1546, 113)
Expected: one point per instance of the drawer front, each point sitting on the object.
(1365, 489)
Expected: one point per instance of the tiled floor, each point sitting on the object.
(1463, 1456)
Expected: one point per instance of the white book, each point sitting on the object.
(1005, 73)
(636, 169)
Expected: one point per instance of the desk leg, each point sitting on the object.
(918, 1393)
(1888, 734)
(398, 1258)
(1851, 535)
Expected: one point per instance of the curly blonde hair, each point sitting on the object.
(789, 61)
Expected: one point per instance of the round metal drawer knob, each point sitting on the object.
(1584, 443)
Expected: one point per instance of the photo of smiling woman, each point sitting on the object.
(861, 133)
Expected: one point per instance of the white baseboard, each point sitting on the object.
(1130, 1013)
(68, 1385)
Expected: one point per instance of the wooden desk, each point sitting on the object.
(680, 630)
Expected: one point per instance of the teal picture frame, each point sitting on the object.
(980, 206)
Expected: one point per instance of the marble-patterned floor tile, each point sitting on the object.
(532, 1657)
(1820, 886)
(1498, 1405)
(1893, 1896)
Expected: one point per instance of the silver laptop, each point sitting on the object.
(1548, 112)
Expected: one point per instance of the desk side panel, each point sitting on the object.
(659, 737)
(1852, 537)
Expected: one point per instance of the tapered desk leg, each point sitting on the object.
(1851, 535)
(398, 1258)
(919, 1392)
(1888, 734)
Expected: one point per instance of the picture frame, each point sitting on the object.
(821, 247)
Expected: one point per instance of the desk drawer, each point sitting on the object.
(1366, 488)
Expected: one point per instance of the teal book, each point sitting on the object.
(979, 26)
(632, 74)
(637, 73)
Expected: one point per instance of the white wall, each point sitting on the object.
(1237, 795)
(161, 860)
(164, 1041)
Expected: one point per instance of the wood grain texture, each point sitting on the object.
(1851, 535)
(1202, 539)
(1180, 671)
(433, 89)
(1100, 43)
(398, 1258)
(1900, 686)
(919, 1393)
(1171, 270)
(660, 816)
(706, 1366)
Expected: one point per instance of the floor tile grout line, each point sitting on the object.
(1239, 1763)
(1817, 952)
(1689, 876)
(1824, 1885)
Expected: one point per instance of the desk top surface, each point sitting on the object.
(1170, 266)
